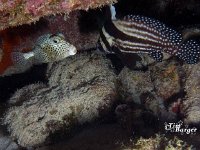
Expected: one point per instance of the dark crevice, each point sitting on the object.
(9, 84)
(180, 95)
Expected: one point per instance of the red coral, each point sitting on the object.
(9, 42)
(176, 106)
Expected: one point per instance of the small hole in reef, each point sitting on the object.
(6, 15)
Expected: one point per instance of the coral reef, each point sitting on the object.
(191, 106)
(161, 142)
(139, 87)
(135, 83)
(80, 102)
(166, 80)
(81, 89)
(25, 93)
(162, 78)
(14, 13)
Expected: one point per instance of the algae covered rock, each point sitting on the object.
(135, 83)
(81, 89)
(71, 72)
(191, 106)
(148, 88)
(26, 93)
(166, 79)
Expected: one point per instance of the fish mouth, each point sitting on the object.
(73, 51)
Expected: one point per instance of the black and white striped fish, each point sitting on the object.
(139, 34)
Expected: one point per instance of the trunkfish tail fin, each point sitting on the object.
(18, 58)
(22, 59)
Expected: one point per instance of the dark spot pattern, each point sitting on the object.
(52, 48)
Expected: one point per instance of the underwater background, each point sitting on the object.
(65, 90)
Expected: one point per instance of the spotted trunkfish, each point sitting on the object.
(48, 48)
(139, 34)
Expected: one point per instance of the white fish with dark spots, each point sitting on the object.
(48, 48)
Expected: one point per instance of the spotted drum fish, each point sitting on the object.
(48, 48)
(139, 34)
